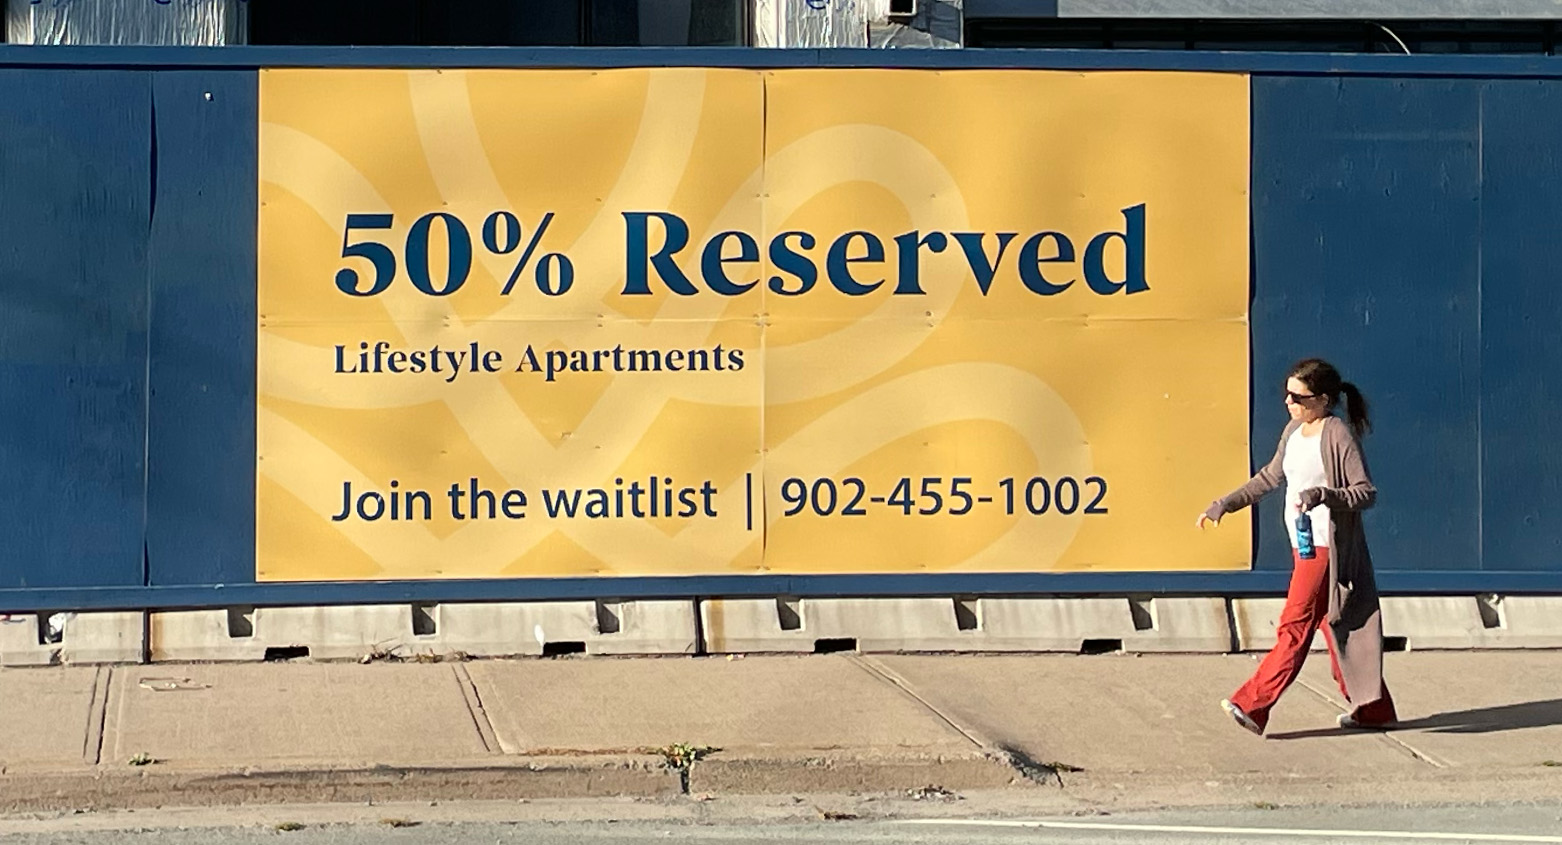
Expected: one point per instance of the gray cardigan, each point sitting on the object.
(1354, 615)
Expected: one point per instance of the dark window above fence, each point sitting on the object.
(1317, 36)
(501, 23)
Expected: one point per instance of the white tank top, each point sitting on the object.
(1303, 469)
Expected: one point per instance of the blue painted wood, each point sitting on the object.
(1333, 65)
(381, 592)
(201, 444)
(1401, 227)
(74, 176)
(1366, 220)
(1521, 349)
(548, 589)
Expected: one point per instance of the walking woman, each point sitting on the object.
(1320, 463)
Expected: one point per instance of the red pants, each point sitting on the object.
(1306, 610)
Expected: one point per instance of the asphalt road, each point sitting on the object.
(1530, 823)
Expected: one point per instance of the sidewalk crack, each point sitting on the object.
(1032, 770)
(884, 673)
(474, 707)
(1389, 736)
(97, 716)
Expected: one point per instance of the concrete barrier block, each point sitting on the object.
(1255, 620)
(322, 633)
(1434, 622)
(1050, 624)
(534, 628)
(20, 643)
(1467, 622)
(503, 630)
(965, 625)
(1139, 624)
(407, 631)
(1180, 625)
(746, 626)
(195, 635)
(1429, 622)
(31, 639)
(1527, 621)
(104, 638)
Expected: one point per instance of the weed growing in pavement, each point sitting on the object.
(142, 759)
(289, 827)
(1036, 770)
(394, 654)
(680, 756)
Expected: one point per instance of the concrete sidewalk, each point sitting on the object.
(1140, 730)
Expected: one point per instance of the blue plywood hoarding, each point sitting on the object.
(1403, 212)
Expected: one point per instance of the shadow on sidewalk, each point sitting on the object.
(1508, 717)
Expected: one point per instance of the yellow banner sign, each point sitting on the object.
(688, 322)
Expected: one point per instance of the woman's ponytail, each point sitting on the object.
(1356, 409)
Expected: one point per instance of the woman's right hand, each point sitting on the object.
(1204, 518)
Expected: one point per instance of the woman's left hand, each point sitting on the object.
(1311, 498)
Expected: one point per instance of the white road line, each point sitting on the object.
(1251, 831)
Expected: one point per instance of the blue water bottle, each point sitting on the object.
(1304, 536)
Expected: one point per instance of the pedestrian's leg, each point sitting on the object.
(1306, 603)
(1334, 657)
(1377, 713)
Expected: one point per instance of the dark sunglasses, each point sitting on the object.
(1299, 397)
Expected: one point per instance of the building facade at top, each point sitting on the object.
(1337, 26)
